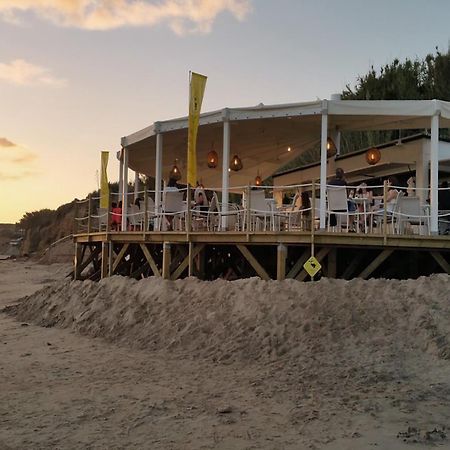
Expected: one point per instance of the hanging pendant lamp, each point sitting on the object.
(331, 148)
(373, 156)
(236, 163)
(212, 159)
(175, 172)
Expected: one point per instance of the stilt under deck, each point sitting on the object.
(206, 255)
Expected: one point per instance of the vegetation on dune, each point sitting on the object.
(418, 79)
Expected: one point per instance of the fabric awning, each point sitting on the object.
(261, 135)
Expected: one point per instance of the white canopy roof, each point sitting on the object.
(261, 135)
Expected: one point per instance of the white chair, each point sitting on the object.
(215, 213)
(261, 212)
(135, 218)
(409, 210)
(391, 214)
(173, 211)
(338, 205)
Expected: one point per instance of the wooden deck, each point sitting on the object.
(270, 255)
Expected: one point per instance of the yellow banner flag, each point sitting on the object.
(104, 186)
(196, 91)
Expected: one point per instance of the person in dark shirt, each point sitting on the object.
(339, 180)
(444, 197)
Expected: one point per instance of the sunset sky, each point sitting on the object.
(76, 75)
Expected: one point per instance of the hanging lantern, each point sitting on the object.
(236, 163)
(373, 156)
(175, 172)
(258, 180)
(212, 158)
(331, 148)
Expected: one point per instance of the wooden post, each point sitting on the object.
(110, 259)
(313, 215)
(75, 221)
(191, 260)
(188, 211)
(247, 212)
(385, 212)
(108, 214)
(281, 262)
(166, 261)
(77, 262)
(145, 208)
(104, 266)
(332, 263)
(89, 213)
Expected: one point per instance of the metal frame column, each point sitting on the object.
(225, 166)
(434, 174)
(323, 165)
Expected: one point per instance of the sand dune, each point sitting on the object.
(245, 364)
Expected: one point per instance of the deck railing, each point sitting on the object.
(267, 209)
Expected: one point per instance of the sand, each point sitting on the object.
(201, 365)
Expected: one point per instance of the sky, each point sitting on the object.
(77, 75)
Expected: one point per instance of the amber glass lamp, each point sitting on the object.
(212, 158)
(175, 172)
(331, 148)
(236, 163)
(373, 156)
(258, 180)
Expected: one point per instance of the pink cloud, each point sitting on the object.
(183, 16)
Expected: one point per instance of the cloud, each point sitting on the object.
(17, 176)
(16, 163)
(6, 142)
(183, 16)
(24, 73)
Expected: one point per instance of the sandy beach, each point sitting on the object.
(222, 365)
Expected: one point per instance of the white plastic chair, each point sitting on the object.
(172, 207)
(409, 210)
(135, 218)
(261, 212)
(215, 214)
(337, 205)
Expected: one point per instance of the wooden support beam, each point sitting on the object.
(105, 259)
(355, 262)
(445, 266)
(332, 263)
(253, 262)
(191, 260)
(281, 262)
(166, 261)
(298, 266)
(119, 257)
(89, 259)
(110, 258)
(375, 263)
(319, 256)
(184, 264)
(77, 260)
(150, 260)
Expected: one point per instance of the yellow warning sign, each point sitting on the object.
(312, 266)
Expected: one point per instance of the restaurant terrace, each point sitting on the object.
(243, 227)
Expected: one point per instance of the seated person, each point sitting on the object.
(201, 202)
(116, 216)
(391, 196)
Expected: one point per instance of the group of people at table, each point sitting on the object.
(362, 204)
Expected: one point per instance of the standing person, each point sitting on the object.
(171, 185)
(339, 180)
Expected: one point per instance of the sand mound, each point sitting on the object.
(253, 319)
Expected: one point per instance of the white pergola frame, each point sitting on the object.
(334, 116)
